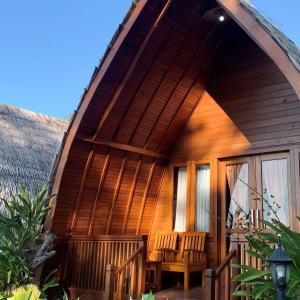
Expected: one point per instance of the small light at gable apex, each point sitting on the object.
(221, 18)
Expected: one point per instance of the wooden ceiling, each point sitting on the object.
(117, 159)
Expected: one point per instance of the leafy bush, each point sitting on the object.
(256, 282)
(23, 247)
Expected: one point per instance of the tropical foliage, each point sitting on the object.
(23, 247)
(256, 282)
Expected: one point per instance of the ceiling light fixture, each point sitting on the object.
(221, 18)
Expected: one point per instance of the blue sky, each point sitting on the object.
(48, 49)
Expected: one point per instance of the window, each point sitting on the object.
(191, 197)
(180, 197)
(275, 189)
(237, 181)
(202, 221)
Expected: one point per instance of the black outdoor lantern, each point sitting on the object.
(280, 264)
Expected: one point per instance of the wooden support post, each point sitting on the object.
(210, 284)
(235, 260)
(186, 277)
(110, 275)
(133, 280)
(142, 272)
(121, 285)
(227, 283)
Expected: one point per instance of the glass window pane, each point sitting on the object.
(203, 198)
(237, 180)
(275, 190)
(180, 191)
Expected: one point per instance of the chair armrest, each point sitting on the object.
(196, 250)
(167, 250)
(188, 251)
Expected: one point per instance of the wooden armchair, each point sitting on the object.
(164, 251)
(191, 257)
(192, 253)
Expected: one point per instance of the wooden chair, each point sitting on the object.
(164, 251)
(191, 257)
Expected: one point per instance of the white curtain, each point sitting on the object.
(203, 198)
(237, 178)
(275, 189)
(180, 218)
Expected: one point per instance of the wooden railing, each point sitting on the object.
(218, 282)
(127, 280)
(89, 256)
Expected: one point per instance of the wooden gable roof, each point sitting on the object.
(139, 100)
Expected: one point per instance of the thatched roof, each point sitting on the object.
(29, 145)
(288, 46)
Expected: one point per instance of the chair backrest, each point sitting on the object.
(165, 241)
(192, 241)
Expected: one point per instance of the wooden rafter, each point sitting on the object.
(125, 147)
(130, 197)
(131, 68)
(156, 58)
(98, 195)
(145, 198)
(116, 192)
(82, 184)
(192, 85)
(157, 197)
(195, 53)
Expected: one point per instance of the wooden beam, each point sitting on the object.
(195, 82)
(116, 193)
(145, 198)
(125, 147)
(178, 56)
(101, 181)
(82, 184)
(130, 197)
(156, 200)
(135, 98)
(130, 69)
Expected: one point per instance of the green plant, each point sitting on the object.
(23, 247)
(256, 282)
(27, 292)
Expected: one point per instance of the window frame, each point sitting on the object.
(191, 194)
(193, 189)
(258, 166)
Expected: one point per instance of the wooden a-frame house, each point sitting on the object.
(187, 94)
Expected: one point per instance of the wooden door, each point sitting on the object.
(261, 168)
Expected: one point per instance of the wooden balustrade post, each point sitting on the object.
(141, 272)
(133, 280)
(210, 276)
(110, 275)
(235, 271)
(121, 285)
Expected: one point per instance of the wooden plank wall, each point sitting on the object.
(248, 107)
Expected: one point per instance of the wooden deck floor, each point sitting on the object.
(179, 293)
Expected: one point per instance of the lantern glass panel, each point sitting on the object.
(280, 271)
(288, 274)
(273, 272)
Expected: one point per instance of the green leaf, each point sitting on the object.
(243, 293)
(251, 275)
